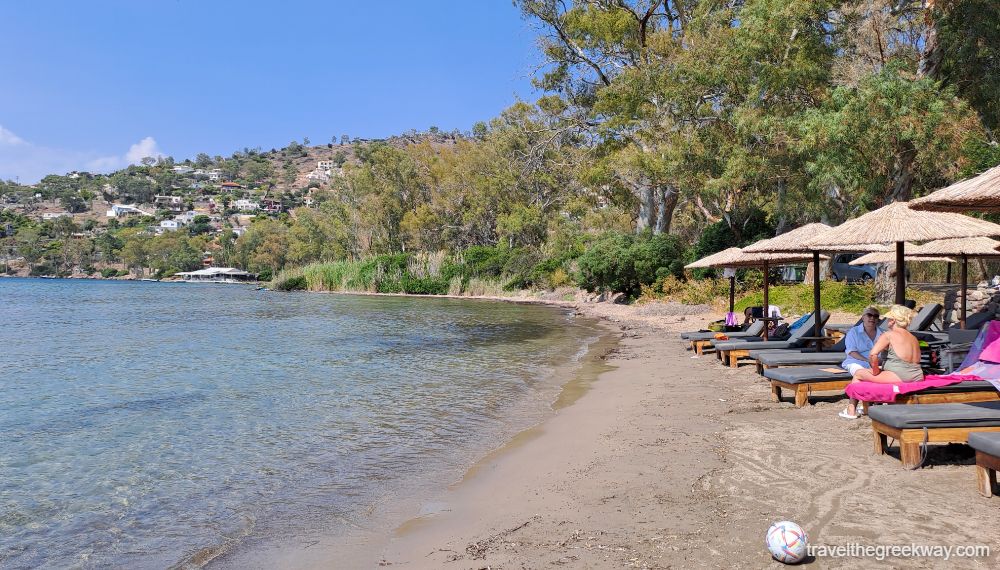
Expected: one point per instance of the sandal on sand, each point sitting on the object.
(843, 413)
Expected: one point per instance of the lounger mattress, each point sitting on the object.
(804, 375)
(711, 335)
(987, 442)
(788, 358)
(916, 416)
(753, 345)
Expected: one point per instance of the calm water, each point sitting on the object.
(143, 423)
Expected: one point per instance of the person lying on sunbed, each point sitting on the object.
(902, 364)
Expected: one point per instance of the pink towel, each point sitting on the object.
(875, 392)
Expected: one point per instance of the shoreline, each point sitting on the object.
(672, 461)
(570, 380)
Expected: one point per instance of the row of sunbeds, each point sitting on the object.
(966, 412)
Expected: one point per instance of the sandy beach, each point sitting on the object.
(673, 462)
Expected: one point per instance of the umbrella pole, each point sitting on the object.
(732, 293)
(947, 276)
(965, 289)
(816, 326)
(767, 313)
(900, 275)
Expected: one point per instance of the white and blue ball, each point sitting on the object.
(787, 542)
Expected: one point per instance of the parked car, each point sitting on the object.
(841, 269)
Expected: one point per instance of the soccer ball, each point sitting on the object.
(787, 542)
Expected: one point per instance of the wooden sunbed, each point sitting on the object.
(961, 393)
(987, 446)
(803, 381)
(913, 426)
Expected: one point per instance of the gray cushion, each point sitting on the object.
(781, 358)
(969, 386)
(762, 344)
(915, 416)
(711, 335)
(986, 441)
(804, 374)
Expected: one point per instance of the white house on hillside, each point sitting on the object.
(245, 205)
(124, 211)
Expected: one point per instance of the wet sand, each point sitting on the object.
(674, 462)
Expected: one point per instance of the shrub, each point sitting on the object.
(109, 272)
(624, 263)
(296, 283)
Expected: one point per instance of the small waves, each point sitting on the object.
(147, 424)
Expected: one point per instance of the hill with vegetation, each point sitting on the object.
(668, 131)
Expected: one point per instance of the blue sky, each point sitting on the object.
(95, 85)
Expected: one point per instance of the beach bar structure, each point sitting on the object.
(218, 275)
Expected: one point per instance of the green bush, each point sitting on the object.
(834, 296)
(295, 283)
(624, 263)
(109, 272)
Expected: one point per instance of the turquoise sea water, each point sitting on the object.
(145, 423)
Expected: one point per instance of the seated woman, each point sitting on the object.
(902, 363)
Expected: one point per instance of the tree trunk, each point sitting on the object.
(647, 207)
(669, 195)
(930, 56)
(902, 178)
(885, 284)
(656, 208)
(824, 272)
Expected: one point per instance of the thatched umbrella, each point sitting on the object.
(735, 257)
(897, 223)
(980, 193)
(965, 248)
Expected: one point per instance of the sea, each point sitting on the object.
(158, 425)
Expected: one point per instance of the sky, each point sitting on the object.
(100, 84)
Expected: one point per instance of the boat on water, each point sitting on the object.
(218, 275)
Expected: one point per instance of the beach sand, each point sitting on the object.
(668, 461)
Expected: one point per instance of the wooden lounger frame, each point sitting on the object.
(986, 472)
(698, 346)
(803, 390)
(943, 398)
(911, 439)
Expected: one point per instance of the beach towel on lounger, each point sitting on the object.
(886, 393)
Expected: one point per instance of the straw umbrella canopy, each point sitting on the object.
(980, 193)
(735, 257)
(956, 247)
(796, 241)
(897, 223)
(890, 257)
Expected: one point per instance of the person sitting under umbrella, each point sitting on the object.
(902, 363)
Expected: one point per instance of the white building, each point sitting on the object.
(124, 211)
(54, 215)
(245, 205)
(171, 225)
(214, 175)
(325, 165)
(186, 217)
(183, 169)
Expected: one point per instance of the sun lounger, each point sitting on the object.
(835, 353)
(960, 393)
(701, 341)
(987, 446)
(732, 351)
(919, 424)
(803, 381)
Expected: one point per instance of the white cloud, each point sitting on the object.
(29, 163)
(146, 148)
(8, 138)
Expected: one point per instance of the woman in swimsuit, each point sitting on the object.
(903, 361)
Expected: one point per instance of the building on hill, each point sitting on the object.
(171, 225)
(271, 206)
(125, 211)
(171, 203)
(55, 215)
(245, 205)
(230, 186)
